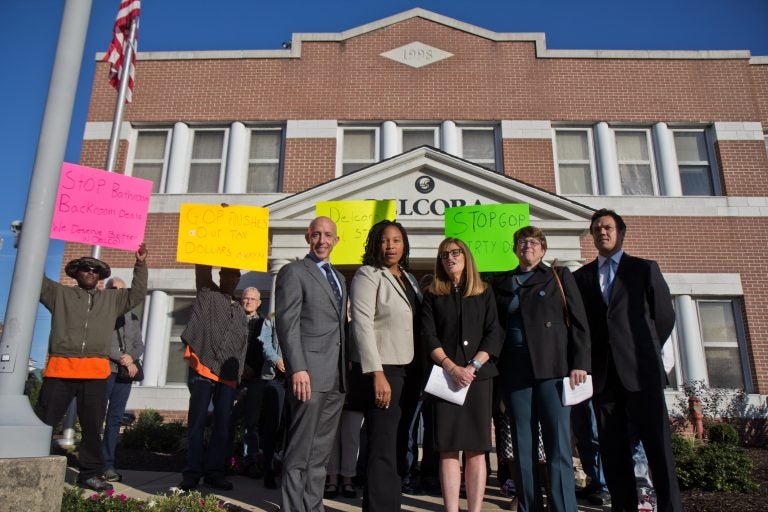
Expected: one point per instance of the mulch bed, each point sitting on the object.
(700, 501)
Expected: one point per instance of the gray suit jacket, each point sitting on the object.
(310, 325)
(381, 319)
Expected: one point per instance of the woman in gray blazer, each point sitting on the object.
(545, 341)
(383, 301)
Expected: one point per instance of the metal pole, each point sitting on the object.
(117, 118)
(22, 434)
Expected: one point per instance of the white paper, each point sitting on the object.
(578, 395)
(441, 385)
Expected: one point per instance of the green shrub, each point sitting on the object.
(150, 433)
(712, 466)
(722, 433)
(74, 500)
(725, 468)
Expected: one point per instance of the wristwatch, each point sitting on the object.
(477, 364)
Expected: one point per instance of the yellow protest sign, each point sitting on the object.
(224, 236)
(353, 221)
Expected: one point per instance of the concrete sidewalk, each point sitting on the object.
(250, 494)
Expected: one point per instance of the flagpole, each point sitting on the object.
(117, 119)
(22, 434)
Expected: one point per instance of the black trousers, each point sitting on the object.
(383, 490)
(91, 394)
(646, 410)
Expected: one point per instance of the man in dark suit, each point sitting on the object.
(310, 312)
(630, 317)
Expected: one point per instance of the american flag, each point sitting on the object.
(129, 10)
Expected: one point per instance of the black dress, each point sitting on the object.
(462, 326)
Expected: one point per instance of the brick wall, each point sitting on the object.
(531, 161)
(743, 167)
(308, 162)
(484, 80)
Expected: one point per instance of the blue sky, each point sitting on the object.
(29, 31)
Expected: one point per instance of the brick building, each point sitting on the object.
(673, 140)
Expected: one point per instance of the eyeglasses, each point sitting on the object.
(450, 254)
(528, 241)
(87, 269)
(251, 298)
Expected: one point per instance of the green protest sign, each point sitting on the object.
(487, 230)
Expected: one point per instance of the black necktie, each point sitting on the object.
(332, 281)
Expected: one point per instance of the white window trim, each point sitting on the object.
(401, 128)
(740, 343)
(651, 158)
(133, 144)
(674, 339)
(496, 163)
(712, 163)
(592, 157)
(163, 377)
(340, 144)
(281, 153)
(223, 164)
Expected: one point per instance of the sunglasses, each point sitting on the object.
(88, 268)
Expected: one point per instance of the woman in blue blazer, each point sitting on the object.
(544, 342)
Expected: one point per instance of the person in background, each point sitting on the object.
(383, 302)
(547, 338)
(630, 314)
(82, 321)
(252, 387)
(216, 340)
(127, 348)
(272, 375)
(459, 325)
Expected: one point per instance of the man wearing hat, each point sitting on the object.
(82, 320)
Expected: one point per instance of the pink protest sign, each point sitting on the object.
(97, 207)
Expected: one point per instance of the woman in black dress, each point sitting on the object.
(460, 329)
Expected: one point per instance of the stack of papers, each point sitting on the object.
(442, 385)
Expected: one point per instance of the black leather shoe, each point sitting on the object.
(95, 483)
(600, 498)
(188, 483)
(218, 482)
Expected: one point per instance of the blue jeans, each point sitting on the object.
(584, 425)
(213, 461)
(117, 398)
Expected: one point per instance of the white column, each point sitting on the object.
(176, 181)
(449, 138)
(155, 341)
(666, 156)
(236, 176)
(607, 161)
(274, 268)
(689, 337)
(391, 144)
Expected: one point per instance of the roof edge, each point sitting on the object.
(538, 38)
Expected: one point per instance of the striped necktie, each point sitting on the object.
(332, 281)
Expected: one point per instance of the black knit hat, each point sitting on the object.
(101, 267)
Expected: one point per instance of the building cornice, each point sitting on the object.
(538, 38)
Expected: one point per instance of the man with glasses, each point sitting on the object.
(252, 388)
(630, 314)
(82, 320)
